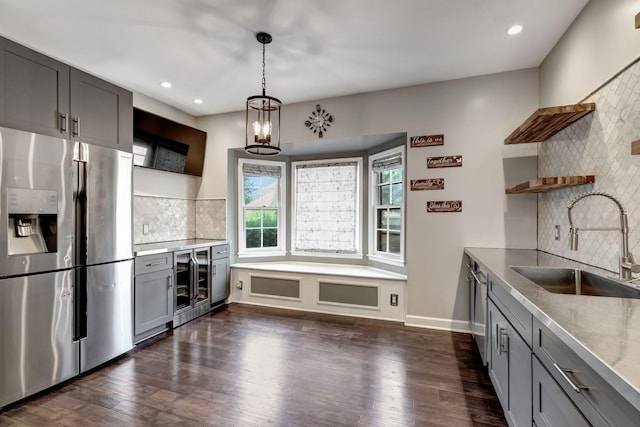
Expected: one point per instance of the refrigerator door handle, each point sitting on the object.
(80, 305)
(194, 276)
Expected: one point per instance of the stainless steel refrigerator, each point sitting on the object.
(66, 261)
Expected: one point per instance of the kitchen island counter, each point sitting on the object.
(603, 331)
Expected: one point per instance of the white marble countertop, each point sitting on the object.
(603, 331)
(174, 245)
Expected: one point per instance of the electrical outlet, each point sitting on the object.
(394, 300)
(239, 284)
(145, 228)
(556, 232)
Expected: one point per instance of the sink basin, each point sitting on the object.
(576, 282)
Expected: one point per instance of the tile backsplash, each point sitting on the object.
(598, 144)
(177, 219)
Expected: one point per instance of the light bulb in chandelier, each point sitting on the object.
(262, 132)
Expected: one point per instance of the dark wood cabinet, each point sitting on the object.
(42, 95)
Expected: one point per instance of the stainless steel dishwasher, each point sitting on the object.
(478, 308)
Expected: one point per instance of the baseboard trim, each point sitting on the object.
(319, 311)
(437, 323)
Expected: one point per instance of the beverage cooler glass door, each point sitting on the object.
(37, 181)
(184, 267)
(202, 275)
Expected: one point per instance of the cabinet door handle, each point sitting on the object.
(64, 122)
(563, 372)
(171, 281)
(76, 126)
(502, 334)
(153, 264)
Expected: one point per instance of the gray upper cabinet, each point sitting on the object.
(42, 95)
(101, 113)
(34, 90)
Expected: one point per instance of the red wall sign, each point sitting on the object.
(427, 140)
(445, 206)
(427, 184)
(444, 162)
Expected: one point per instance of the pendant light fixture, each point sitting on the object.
(263, 116)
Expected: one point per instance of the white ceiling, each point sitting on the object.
(322, 48)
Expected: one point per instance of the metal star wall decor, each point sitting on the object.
(319, 121)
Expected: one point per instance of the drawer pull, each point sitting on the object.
(563, 372)
(153, 264)
(503, 348)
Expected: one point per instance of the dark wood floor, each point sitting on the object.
(253, 366)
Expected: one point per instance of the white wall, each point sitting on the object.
(475, 114)
(600, 42)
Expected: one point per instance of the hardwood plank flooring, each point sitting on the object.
(257, 366)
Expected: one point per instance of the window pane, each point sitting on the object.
(269, 218)
(396, 191)
(252, 218)
(270, 238)
(253, 238)
(381, 241)
(394, 220)
(260, 191)
(394, 243)
(396, 175)
(381, 218)
(384, 194)
(384, 177)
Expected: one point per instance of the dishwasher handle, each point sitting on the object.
(478, 279)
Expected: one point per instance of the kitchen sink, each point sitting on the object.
(573, 281)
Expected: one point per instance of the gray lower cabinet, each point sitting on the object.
(510, 368)
(551, 406)
(153, 295)
(220, 266)
(593, 398)
(39, 94)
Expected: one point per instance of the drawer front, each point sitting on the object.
(516, 313)
(219, 251)
(551, 406)
(600, 403)
(150, 263)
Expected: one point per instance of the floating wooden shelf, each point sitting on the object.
(544, 185)
(638, 20)
(547, 121)
(635, 147)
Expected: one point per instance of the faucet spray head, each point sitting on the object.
(573, 241)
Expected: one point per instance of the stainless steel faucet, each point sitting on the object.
(627, 263)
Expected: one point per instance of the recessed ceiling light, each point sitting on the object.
(165, 85)
(515, 29)
(197, 100)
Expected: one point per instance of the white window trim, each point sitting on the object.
(358, 254)
(282, 212)
(373, 254)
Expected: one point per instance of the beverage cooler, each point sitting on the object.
(192, 284)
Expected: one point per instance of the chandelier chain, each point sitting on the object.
(264, 79)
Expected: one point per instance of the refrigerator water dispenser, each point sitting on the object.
(32, 222)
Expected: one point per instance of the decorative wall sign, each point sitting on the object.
(319, 121)
(444, 162)
(427, 140)
(427, 184)
(445, 206)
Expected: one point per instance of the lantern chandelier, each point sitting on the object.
(263, 116)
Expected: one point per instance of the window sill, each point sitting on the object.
(385, 260)
(326, 255)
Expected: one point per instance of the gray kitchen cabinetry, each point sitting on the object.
(551, 406)
(153, 295)
(39, 94)
(509, 357)
(219, 274)
(570, 379)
